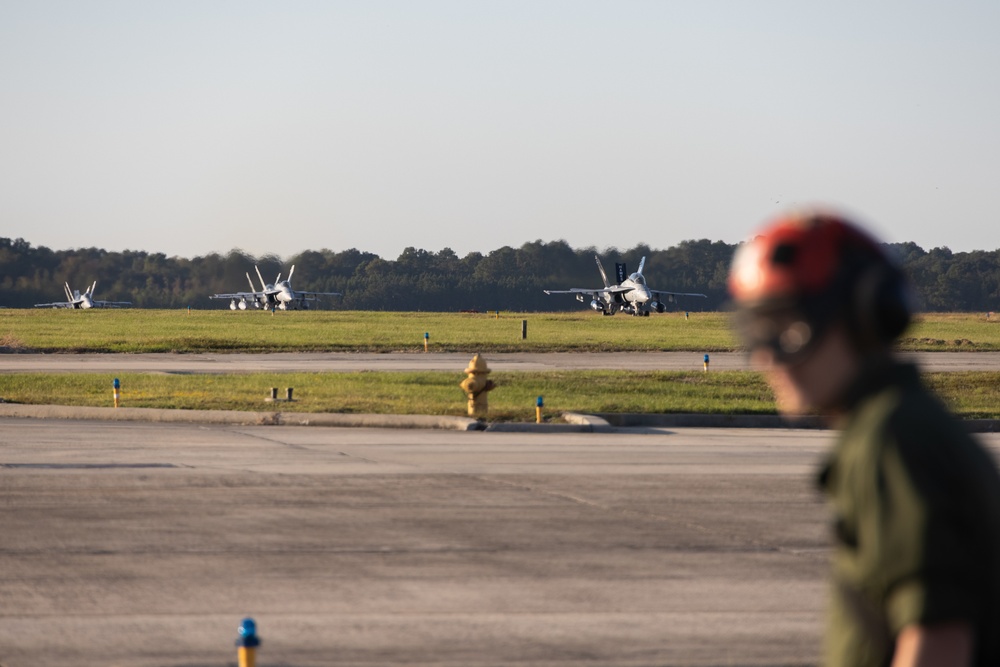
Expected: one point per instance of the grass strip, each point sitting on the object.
(969, 394)
(140, 330)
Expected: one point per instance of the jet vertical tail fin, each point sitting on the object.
(621, 273)
(69, 292)
(600, 267)
(642, 263)
(263, 285)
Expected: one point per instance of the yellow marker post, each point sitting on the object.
(427, 340)
(117, 387)
(706, 363)
(539, 404)
(247, 643)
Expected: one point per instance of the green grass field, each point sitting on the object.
(138, 330)
(971, 395)
(407, 393)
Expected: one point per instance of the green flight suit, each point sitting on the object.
(916, 505)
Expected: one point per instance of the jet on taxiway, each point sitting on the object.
(76, 300)
(629, 295)
(278, 295)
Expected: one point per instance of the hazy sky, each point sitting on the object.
(193, 127)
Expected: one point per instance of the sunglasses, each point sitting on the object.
(787, 336)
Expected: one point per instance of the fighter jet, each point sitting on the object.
(278, 294)
(629, 295)
(86, 300)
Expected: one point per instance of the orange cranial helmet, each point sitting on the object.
(805, 271)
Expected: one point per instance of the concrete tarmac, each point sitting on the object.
(146, 544)
(307, 362)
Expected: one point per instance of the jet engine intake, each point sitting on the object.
(657, 306)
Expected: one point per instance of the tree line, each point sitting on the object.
(508, 278)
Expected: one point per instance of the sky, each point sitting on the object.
(189, 127)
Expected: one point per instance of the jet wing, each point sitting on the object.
(112, 304)
(313, 295)
(239, 295)
(657, 294)
(614, 289)
(58, 304)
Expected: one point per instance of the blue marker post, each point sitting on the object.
(706, 363)
(117, 386)
(539, 404)
(427, 340)
(247, 643)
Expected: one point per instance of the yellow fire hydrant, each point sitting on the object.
(476, 386)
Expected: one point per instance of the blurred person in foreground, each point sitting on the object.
(916, 501)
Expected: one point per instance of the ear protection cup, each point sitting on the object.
(880, 306)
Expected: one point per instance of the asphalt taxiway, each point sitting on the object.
(307, 362)
(143, 544)
(146, 544)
